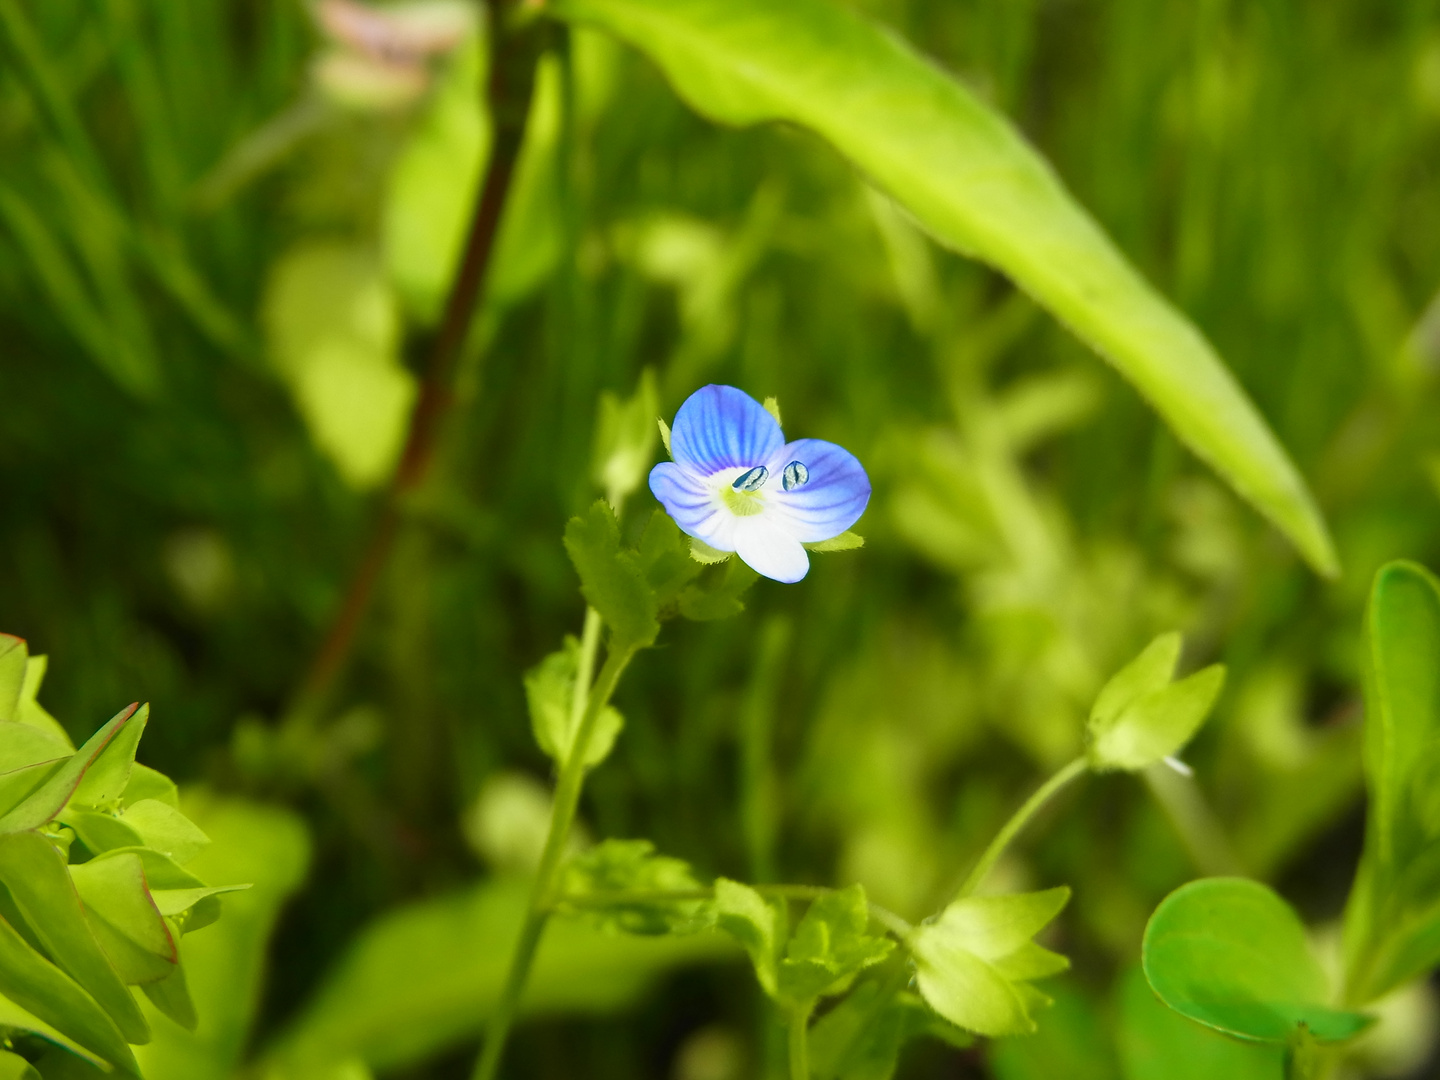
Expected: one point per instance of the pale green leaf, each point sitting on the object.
(1157, 724)
(104, 781)
(13, 1016)
(13, 655)
(125, 919)
(831, 945)
(42, 804)
(1152, 670)
(1230, 954)
(611, 578)
(743, 914)
(625, 439)
(550, 694)
(165, 829)
(861, 1038)
(14, 1067)
(971, 179)
(616, 866)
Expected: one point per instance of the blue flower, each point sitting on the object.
(737, 485)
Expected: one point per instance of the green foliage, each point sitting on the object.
(1230, 954)
(970, 178)
(861, 1037)
(975, 962)
(742, 913)
(625, 439)
(14, 1067)
(830, 946)
(1141, 716)
(1157, 1043)
(619, 866)
(550, 692)
(612, 579)
(1392, 930)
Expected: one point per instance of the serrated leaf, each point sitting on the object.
(665, 557)
(846, 541)
(742, 913)
(126, 920)
(550, 694)
(1157, 724)
(1392, 921)
(716, 593)
(1152, 670)
(611, 578)
(1230, 954)
(973, 961)
(831, 945)
(165, 829)
(42, 804)
(632, 866)
(973, 181)
(42, 989)
(39, 883)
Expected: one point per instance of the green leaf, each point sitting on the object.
(100, 832)
(665, 557)
(1230, 954)
(13, 654)
(861, 1038)
(973, 181)
(846, 541)
(14, 1067)
(424, 978)
(743, 914)
(973, 963)
(1157, 1043)
(40, 884)
(165, 829)
(830, 947)
(550, 693)
(1392, 923)
(625, 439)
(125, 918)
(171, 995)
(42, 989)
(30, 711)
(706, 555)
(611, 578)
(146, 783)
(716, 593)
(1072, 1043)
(42, 804)
(13, 1016)
(614, 866)
(104, 781)
(1149, 672)
(1157, 724)
(28, 757)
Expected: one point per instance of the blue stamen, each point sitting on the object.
(752, 480)
(795, 475)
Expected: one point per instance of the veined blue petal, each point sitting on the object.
(768, 546)
(832, 498)
(720, 427)
(694, 505)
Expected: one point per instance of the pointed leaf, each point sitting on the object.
(30, 711)
(965, 172)
(46, 801)
(39, 882)
(1230, 954)
(100, 832)
(1152, 670)
(1157, 724)
(165, 829)
(127, 921)
(147, 783)
(104, 781)
(13, 654)
(40, 988)
(13, 1016)
(171, 995)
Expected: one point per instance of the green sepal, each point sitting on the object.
(831, 945)
(550, 694)
(1230, 954)
(706, 555)
(632, 866)
(846, 541)
(974, 961)
(611, 578)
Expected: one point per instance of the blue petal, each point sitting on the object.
(831, 499)
(720, 427)
(690, 501)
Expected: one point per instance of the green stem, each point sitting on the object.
(1018, 821)
(562, 817)
(800, 1043)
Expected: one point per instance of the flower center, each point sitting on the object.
(743, 497)
(795, 475)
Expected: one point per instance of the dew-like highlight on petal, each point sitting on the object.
(753, 480)
(794, 476)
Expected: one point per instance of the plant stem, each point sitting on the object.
(514, 55)
(562, 817)
(800, 1043)
(1018, 821)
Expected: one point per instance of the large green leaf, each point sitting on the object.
(42, 989)
(1392, 927)
(1230, 954)
(13, 1016)
(425, 977)
(973, 181)
(39, 882)
(1157, 1043)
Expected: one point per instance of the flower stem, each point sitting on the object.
(800, 1043)
(1018, 821)
(562, 817)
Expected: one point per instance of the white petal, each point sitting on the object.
(769, 548)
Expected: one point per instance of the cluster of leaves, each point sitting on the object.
(93, 894)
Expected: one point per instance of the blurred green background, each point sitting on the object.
(225, 236)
